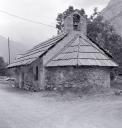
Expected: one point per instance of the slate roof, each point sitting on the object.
(66, 49)
(82, 52)
(37, 51)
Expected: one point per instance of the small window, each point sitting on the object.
(23, 76)
(37, 73)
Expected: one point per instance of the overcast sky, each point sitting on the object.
(44, 11)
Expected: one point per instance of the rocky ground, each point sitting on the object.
(21, 109)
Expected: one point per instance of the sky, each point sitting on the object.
(44, 11)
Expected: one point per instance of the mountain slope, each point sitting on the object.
(15, 47)
(113, 13)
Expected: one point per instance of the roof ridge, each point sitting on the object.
(60, 51)
(78, 49)
(50, 39)
(39, 49)
(47, 41)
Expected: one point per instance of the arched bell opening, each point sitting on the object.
(76, 21)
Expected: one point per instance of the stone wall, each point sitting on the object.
(27, 79)
(80, 77)
(38, 83)
(62, 77)
(25, 76)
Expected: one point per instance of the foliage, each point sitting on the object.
(99, 31)
(3, 70)
(103, 33)
(62, 16)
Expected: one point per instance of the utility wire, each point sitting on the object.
(25, 19)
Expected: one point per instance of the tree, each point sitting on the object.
(3, 70)
(62, 16)
(99, 31)
(103, 33)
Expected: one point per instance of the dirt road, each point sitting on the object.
(21, 109)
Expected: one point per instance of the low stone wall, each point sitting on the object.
(79, 77)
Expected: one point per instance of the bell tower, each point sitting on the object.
(75, 22)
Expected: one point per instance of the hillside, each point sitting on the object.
(16, 48)
(113, 13)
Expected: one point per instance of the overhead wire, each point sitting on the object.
(26, 19)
